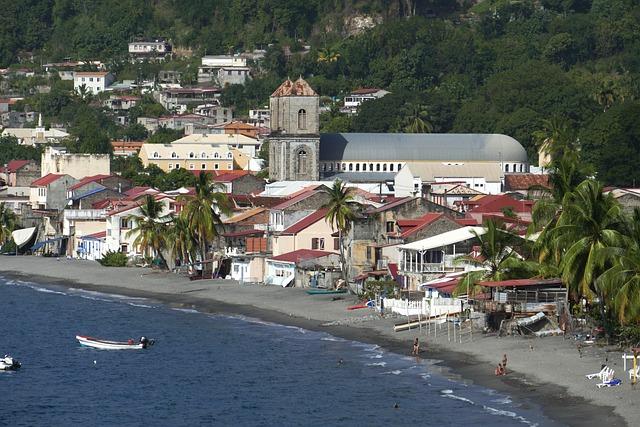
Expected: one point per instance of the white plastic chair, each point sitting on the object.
(603, 372)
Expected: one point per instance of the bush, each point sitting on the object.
(378, 287)
(113, 259)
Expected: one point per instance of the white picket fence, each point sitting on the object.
(427, 307)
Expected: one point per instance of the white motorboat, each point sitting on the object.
(8, 363)
(114, 345)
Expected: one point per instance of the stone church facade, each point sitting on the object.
(294, 141)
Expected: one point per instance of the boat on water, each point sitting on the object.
(114, 345)
(8, 363)
(319, 291)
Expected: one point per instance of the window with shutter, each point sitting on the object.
(336, 244)
(314, 243)
(320, 243)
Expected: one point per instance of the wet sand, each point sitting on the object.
(546, 372)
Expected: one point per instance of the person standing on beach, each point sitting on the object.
(504, 361)
(416, 347)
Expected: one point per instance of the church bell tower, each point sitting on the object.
(294, 141)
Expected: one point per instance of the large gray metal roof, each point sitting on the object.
(420, 146)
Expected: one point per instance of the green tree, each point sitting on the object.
(8, 222)
(203, 211)
(150, 228)
(340, 214)
(183, 243)
(590, 221)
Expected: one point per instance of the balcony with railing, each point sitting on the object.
(417, 265)
(85, 214)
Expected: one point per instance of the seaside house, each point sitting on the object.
(296, 207)
(378, 231)
(430, 258)
(311, 232)
(303, 268)
(21, 173)
(119, 224)
(92, 246)
(520, 298)
(50, 191)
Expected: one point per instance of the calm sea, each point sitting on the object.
(213, 370)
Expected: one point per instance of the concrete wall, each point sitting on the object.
(24, 176)
(77, 165)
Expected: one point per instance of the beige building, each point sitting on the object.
(312, 232)
(188, 156)
(243, 143)
(56, 160)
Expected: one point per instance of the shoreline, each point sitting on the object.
(319, 313)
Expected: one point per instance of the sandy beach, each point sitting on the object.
(548, 372)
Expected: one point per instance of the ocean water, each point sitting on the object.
(214, 370)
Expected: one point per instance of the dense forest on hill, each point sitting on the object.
(528, 68)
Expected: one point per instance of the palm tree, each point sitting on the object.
(496, 259)
(417, 121)
(340, 214)
(150, 228)
(203, 210)
(621, 282)
(8, 222)
(590, 222)
(183, 244)
(328, 55)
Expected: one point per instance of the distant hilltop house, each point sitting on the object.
(37, 136)
(353, 101)
(150, 49)
(298, 152)
(223, 70)
(178, 99)
(260, 117)
(92, 82)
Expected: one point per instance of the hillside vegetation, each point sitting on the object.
(529, 69)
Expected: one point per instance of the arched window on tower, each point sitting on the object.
(506, 167)
(302, 119)
(301, 162)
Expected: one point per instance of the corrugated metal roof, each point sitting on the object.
(445, 239)
(292, 201)
(418, 146)
(516, 283)
(14, 165)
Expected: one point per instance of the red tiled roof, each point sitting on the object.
(524, 181)
(516, 283)
(86, 180)
(229, 177)
(292, 201)
(306, 222)
(495, 203)
(136, 190)
(98, 235)
(46, 180)
(467, 221)
(301, 255)
(424, 221)
(365, 91)
(14, 165)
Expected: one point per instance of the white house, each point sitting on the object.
(223, 69)
(353, 101)
(119, 224)
(149, 48)
(93, 82)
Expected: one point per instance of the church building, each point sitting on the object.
(297, 151)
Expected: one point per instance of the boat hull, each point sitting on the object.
(107, 345)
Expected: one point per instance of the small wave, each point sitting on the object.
(377, 364)
(425, 376)
(185, 310)
(332, 339)
(510, 414)
(376, 356)
(46, 291)
(447, 391)
(396, 372)
(140, 305)
(460, 398)
(503, 401)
